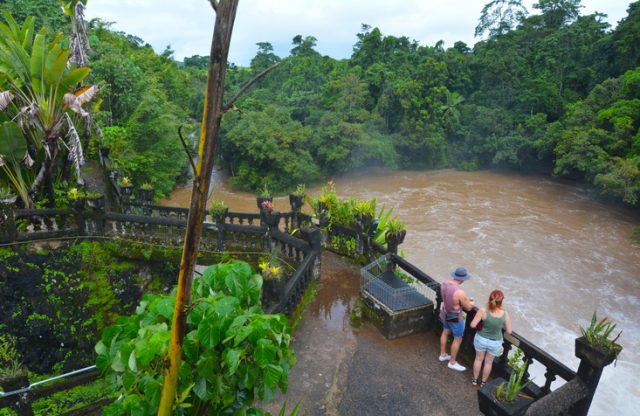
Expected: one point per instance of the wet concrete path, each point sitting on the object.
(343, 370)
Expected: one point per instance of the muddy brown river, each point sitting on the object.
(557, 254)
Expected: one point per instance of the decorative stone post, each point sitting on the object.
(19, 402)
(77, 207)
(146, 195)
(394, 240)
(7, 219)
(296, 202)
(592, 362)
(97, 204)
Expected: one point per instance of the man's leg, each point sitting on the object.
(443, 341)
(455, 346)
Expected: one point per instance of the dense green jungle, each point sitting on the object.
(555, 93)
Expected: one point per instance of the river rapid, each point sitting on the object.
(557, 254)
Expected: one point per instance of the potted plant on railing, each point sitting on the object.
(271, 273)
(146, 192)
(296, 198)
(12, 374)
(95, 200)
(126, 186)
(365, 211)
(265, 195)
(77, 199)
(505, 398)
(268, 215)
(309, 233)
(597, 345)
(396, 231)
(218, 211)
(7, 196)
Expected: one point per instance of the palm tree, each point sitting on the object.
(450, 108)
(42, 97)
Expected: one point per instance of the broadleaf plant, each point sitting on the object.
(233, 352)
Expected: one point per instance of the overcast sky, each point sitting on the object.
(187, 25)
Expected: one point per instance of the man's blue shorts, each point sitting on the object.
(457, 328)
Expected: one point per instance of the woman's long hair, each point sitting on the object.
(495, 300)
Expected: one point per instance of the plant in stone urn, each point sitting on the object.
(218, 210)
(95, 199)
(265, 195)
(597, 344)
(365, 211)
(126, 186)
(396, 231)
(146, 191)
(505, 397)
(10, 365)
(271, 271)
(296, 198)
(7, 197)
(268, 215)
(77, 198)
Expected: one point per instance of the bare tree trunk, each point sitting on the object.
(49, 170)
(213, 111)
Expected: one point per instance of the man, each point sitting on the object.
(454, 301)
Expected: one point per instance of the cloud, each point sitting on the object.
(187, 25)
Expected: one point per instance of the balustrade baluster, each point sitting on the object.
(550, 378)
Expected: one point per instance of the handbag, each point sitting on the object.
(479, 326)
(452, 316)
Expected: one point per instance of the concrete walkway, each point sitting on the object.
(343, 370)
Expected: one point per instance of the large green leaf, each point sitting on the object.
(232, 358)
(165, 307)
(209, 332)
(272, 374)
(56, 65)
(13, 144)
(265, 353)
(36, 67)
(74, 77)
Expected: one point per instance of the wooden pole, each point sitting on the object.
(213, 111)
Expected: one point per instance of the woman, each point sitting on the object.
(488, 341)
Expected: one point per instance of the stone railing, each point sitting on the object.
(238, 232)
(20, 394)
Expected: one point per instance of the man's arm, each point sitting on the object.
(465, 302)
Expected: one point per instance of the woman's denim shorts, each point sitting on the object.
(483, 344)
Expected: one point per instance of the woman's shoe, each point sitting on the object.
(474, 381)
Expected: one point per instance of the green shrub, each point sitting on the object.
(233, 353)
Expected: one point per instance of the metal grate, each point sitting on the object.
(378, 281)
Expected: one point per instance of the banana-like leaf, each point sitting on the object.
(74, 77)
(13, 144)
(56, 65)
(37, 62)
(28, 30)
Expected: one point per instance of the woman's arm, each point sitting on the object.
(479, 315)
(507, 322)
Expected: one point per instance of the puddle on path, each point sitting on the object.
(337, 294)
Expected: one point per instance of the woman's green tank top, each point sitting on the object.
(492, 326)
